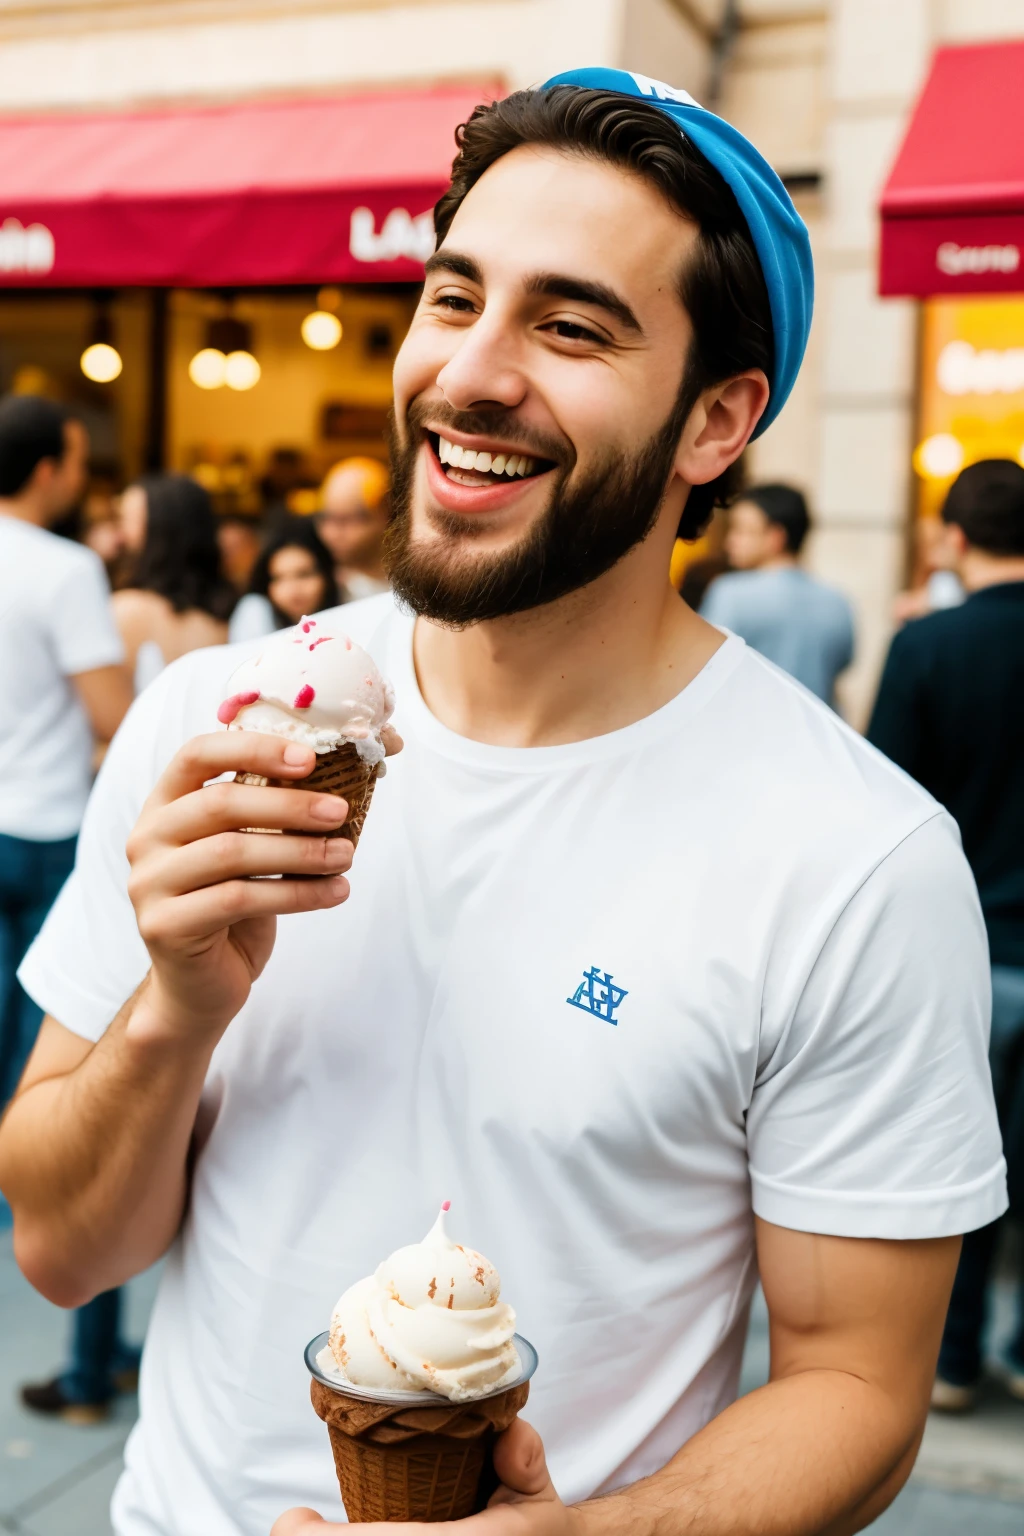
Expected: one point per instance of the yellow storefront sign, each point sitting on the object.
(972, 390)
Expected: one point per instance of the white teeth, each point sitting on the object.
(509, 464)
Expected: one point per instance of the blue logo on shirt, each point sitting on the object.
(597, 994)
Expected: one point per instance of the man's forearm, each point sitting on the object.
(817, 1454)
(94, 1163)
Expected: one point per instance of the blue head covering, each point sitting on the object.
(777, 230)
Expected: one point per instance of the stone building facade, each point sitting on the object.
(823, 86)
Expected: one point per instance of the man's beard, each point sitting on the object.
(588, 527)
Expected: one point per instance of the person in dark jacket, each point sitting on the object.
(950, 711)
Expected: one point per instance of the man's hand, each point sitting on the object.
(208, 926)
(526, 1504)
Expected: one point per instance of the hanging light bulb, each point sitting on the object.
(101, 361)
(321, 330)
(207, 369)
(241, 370)
(227, 357)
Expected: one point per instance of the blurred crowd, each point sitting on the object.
(101, 588)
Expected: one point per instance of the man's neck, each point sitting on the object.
(595, 661)
(779, 563)
(24, 509)
(979, 570)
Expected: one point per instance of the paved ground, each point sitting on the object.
(57, 1481)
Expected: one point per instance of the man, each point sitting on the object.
(352, 519)
(62, 688)
(802, 625)
(640, 1062)
(949, 711)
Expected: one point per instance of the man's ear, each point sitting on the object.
(720, 426)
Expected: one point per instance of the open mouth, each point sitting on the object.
(474, 467)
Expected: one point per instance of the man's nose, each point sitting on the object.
(485, 369)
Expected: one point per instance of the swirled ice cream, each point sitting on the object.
(314, 685)
(429, 1319)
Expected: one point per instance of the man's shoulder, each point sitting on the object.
(50, 553)
(813, 770)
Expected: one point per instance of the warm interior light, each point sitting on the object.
(241, 370)
(939, 457)
(1020, 455)
(321, 330)
(207, 369)
(101, 362)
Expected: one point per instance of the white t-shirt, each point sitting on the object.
(608, 998)
(55, 621)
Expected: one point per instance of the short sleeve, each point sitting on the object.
(81, 619)
(874, 1116)
(88, 958)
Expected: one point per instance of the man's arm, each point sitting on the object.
(821, 1450)
(105, 693)
(94, 1148)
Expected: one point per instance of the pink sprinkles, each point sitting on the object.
(304, 697)
(230, 709)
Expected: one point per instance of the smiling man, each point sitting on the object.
(643, 1057)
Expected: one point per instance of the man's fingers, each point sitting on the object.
(206, 757)
(233, 856)
(298, 1521)
(207, 912)
(520, 1463)
(226, 807)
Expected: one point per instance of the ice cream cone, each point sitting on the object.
(341, 772)
(399, 1462)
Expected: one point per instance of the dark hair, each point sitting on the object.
(296, 533)
(785, 506)
(31, 430)
(722, 286)
(986, 500)
(180, 558)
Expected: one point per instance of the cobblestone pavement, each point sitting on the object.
(56, 1480)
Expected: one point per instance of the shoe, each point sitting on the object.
(947, 1398)
(48, 1397)
(1015, 1382)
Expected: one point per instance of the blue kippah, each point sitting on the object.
(777, 230)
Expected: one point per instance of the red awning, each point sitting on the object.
(953, 207)
(253, 194)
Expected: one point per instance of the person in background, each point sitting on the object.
(178, 599)
(937, 584)
(949, 711)
(293, 576)
(63, 689)
(352, 519)
(239, 538)
(798, 622)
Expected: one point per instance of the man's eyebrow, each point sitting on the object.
(458, 266)
(580, 290)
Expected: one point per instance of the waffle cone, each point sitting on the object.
(341, 772)
(427, 1464)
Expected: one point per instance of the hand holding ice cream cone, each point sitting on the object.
(420, 1371)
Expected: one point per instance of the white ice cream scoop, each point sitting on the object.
(429, 1319)
(314, 685)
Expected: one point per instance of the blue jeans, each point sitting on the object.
(960, 1358)
(98, 1352)
(31, 875)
